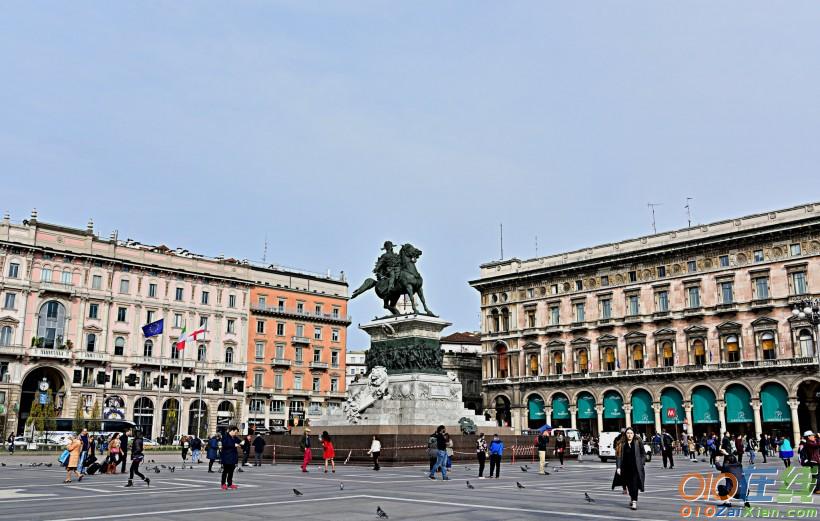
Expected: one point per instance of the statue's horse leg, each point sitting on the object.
(366, 285)
(423, 302)
(408, 290)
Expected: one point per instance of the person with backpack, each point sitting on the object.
(213, 452)
(432, 451)
(786, 452)
(481, 454)
(711, 448)
(441, 454)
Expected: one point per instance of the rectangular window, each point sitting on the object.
(727, 292)
(277, 405)
(116, 378)
(121, 314)
(179, 294)
(334, 359)
(317, 333)
(173, 382)
(579, 285)
(206, 296)
(334, 335)
(231, 301)
(555, 315)
(260, 326)
(693, 294)
(554, 289)
(605, 280)
(45, 276)
(661, 271)
(231, 325)
(633, 276)
(145, 380)
(530, 293)
(335, 312)
(663, 300)
(149, 316)
(96, 282)
(66, 278)
(178, 320)
(298, 351)
(8, 303)
(530, 318)
(579, 312)
(203, 322)
(200, 383)
(794, 249)
(281, 304)
(318, 310)
(799, 285)
(300, 330)
(316, 384)
(334, 385)
(280, 351)
(93, 310)
(228, 385)
(300, 307)
(277, 382)
(124, 286)
(152, 290)
(280, 329)
(317, 355)
(257, 380)
(762, 288)
(692, 266)
(260, 351)
(724, 261)
(14, 270)
(606, 308)
(262, 300)
(758, 255)
(633, 305)
(297, 382)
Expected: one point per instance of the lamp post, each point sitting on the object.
(809, 309)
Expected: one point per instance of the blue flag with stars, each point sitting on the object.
(153, 329)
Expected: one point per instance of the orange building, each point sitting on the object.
(297, 337)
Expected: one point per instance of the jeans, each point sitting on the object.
(495, 464)
(195, 455)
(441, 463)
(81, 464)
(257, 459)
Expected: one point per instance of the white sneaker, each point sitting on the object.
(633, 505)
(482, 477)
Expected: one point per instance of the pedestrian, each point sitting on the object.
(10, 441)
(230, 457)
(124, 450)
(560, 447)
(711, 447)
(764, 446)
(812, 457)
(630, 466)
(246, 449)
(74, 448)
(750, 448)
(667, 448)
(432, 451)
(304, 446)
(136, 460)
(441, 454)
(183, 442)
(328, 452)
(656, 443)
(726, 445)
(450, 452)
(684, 438)
(541, 444)
(258, 450)
(692, 449)
(739, 446)
(496, 451)
(196, 449)
(213, 451)
(786, 452)
(113, 453)
(84, 452)
(481, 454)
(734, 466)
(375, 451)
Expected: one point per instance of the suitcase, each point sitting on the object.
(93, 468)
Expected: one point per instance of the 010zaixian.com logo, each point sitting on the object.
(796, 486)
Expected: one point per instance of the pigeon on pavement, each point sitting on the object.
(524, 469)
(519, 485)
(297, 492)
(381, 513)
(240, 469)
(588, 499)
(341, 486)
(470, 486)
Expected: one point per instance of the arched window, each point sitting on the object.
(732, 349)
(637, 356)
(806, 343)
(66, 279)
(119, 346)
(609, 359)
(228, 355)
(201, 353)
(505, 319)
(90, 342)
(533, 365)
(144, 415)
(148, 348)
(700, 352)
(51, 324)
(558, 362)
(668, 354)
(501, 352)
(5, 336)
(495, 323)
(767, 344)
(583, 361)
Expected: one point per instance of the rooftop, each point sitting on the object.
(465, 337)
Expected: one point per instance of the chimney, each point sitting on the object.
(89, 228)
(33, 216)
(6, 217)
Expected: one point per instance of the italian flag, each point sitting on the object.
(192, 336)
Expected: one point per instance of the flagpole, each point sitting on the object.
(199, 405)
(159, 390)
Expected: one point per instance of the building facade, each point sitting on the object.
(687, 329)
(73, 307)
(296, 348)
(354, 366)
(462, 356)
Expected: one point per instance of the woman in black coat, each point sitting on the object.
(630, 466)
(230, 457)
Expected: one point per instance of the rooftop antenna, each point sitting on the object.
(265, 250)
(536, 246)
(652, 207)
(501, 227)
(688, 211)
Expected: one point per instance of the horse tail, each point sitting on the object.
(366, 285)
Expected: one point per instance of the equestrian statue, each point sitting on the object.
(396, 276)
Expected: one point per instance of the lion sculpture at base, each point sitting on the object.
(361, 397)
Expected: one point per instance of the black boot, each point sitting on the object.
(130, 483)
(147, 482)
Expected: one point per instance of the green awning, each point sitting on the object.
(738, 409)
(775, 404)
(703, 406)
(536, 408)
(613, 405)
(560, 408)
(671, 400)
(586, 407)
(642, 412)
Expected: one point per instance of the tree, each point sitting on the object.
(49, 414)
(94, 424)
(171, 420)
(79, 418)
(35, 416)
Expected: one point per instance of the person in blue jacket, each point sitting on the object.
(230, 456)
(496, 451)
(213, 451)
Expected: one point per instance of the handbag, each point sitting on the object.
(63, 459)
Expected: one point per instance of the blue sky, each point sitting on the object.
(332, 126)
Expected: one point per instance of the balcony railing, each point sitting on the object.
(228, 366)
(57, 287)
(44, 352)
(661, 315)
(281, 362)
(300, 340)
(762, 303)
(92, 356)
(300, 313)
(12, 350)
(318, 365)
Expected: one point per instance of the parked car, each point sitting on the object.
(148, 442)
(606, 447)
(278, 429)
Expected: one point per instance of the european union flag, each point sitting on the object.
(153, 329)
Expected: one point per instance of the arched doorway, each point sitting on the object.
(536, 415)
(502, 360)
(560, 411)
(774, 411)
(672, 415)
(198, 419)
(587, 415)
(614, 417)
(170, 419)
(31, 391)
(225, 414)
(643, 416)
(739, 416)
(503, 416)
(144, 416)
(705, 416)
(807, 414)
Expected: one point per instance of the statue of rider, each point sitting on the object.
(388, 265)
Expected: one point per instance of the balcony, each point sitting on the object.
(322, 366)
(762, 303)
(55, 354)
(92, 356)
(300, 340)
(730, 307)
(578, 326)
(552, 329)
(661, 316)
(693, 312)
(57, 288)
(230, 367)
(605, 322)
(156, 361)
(633, 319)
(259, 390)
(530, 331)
(300, 392)
(296, 313)
(281, 362)
(12, 350)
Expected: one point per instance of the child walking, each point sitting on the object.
(328, 452)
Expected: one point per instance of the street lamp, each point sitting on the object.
(809, 309)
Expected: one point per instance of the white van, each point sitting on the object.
(573, 437)
(606, 446)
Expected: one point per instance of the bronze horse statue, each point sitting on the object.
(408, 282)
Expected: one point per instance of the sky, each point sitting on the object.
(330, 127)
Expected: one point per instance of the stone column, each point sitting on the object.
(573, 414)
(690, 426)
(600, 410)
(756, 412)
(516, 419)
(812, 407)
(548, 414)
(657, 408)
(721, 407)
(793, 404)
(628, 414)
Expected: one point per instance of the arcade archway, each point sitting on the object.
(31, 390)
